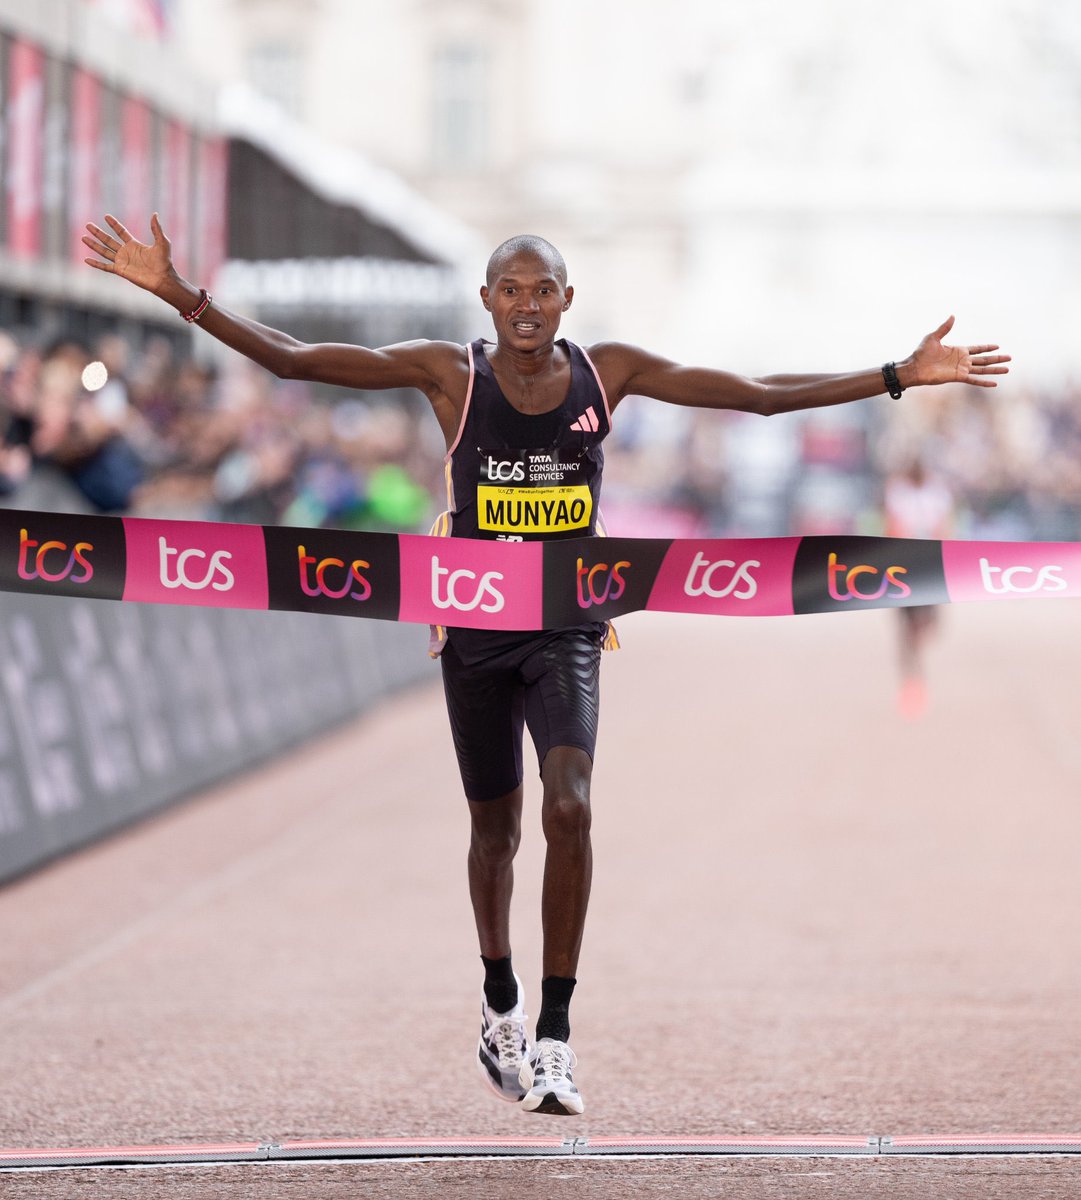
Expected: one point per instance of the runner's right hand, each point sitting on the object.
(148, 266)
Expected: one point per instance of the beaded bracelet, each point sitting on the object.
(205, 299)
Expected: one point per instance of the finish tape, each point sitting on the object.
(481, 584)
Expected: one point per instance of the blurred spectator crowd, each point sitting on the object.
(1009, 458)
(159, 435)
(148, 432)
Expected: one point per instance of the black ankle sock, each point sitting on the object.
(500, 989)
(554, 1019)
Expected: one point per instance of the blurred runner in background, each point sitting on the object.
(917, 505)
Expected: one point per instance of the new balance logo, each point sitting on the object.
(587, 422)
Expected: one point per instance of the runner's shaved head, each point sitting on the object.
(527, 243)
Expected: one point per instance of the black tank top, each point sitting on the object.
(512, 476)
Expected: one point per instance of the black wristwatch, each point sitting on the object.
(893, 384)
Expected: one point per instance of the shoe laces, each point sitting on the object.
(506, 1036)
(554, 1060)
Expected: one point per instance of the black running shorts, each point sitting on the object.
(550, 683)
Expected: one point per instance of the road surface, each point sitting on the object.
(810, 917)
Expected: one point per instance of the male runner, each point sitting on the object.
(503, 408)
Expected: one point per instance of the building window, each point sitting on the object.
(460, 109)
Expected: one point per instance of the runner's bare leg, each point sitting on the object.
(496, 834)
(568, 866)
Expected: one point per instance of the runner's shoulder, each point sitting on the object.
(617, 352)
(618, 362)
(429, 352)
(444, 365)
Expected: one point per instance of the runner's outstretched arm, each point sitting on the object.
(628, 370)
(431, 367)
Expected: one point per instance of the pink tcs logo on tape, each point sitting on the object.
(749, 577)
(1011, 570)
(195, 562)
(472, 583)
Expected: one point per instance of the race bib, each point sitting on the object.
(532, 493)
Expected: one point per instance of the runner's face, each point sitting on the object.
(526, 301)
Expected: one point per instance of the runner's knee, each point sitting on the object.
(566, 816)
(496, 830)
(565, 812)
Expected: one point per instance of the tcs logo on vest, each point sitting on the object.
(505, 472)
(465, 590)
(205, 570)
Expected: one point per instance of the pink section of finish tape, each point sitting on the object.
(195, 562)
(470, 583)
(745, 577)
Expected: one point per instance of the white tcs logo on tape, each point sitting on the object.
(741, 578)
(217, 567)
(485, 594)
(1048, 579)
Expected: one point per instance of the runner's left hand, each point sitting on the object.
(935, 362)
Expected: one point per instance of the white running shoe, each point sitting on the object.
(546, 1079)
(503, 1048)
